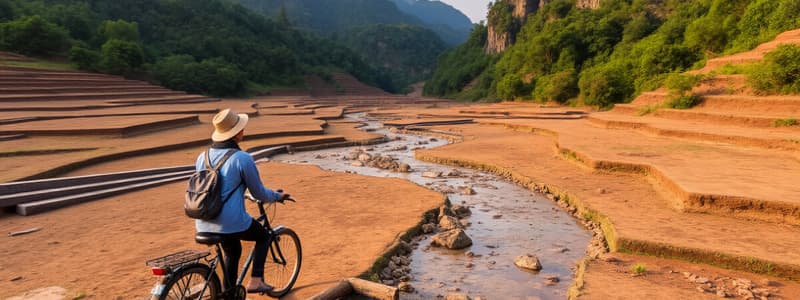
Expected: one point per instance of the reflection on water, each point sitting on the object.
(506, 221)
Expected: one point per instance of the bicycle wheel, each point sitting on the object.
(188, 284)
(283, 262)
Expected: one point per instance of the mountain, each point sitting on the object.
(450, 23)
(397, 43)
(409, 52)
(336, 16)
(435, 12)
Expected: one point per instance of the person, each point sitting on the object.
(238, 173)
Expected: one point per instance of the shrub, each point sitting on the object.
(785, 122)
(121, 57)
(6, 10)
(509, 87)
(639, 269)
(211, 76)
(85, 58)
(119, 30)
(606, 84)
(779, 72)
(33, 35)
(680, 90)
(683, 102)
(560, 87)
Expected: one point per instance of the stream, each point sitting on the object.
(506, 221)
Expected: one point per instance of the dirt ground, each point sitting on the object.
(98, 249)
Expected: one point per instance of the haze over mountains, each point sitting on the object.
(335, 16)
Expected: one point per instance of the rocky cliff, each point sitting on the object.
(499, 40)
(587, 4)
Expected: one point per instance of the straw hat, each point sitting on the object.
(228, 124)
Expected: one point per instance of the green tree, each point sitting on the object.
(119, 30)
(779, 72)
(85, 58)
(607, 84)
(559, 87)
(121, 57)
(6, 10)
(77, 18)
(33, 35)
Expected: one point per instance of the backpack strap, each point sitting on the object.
(219, 165)
(222, 160)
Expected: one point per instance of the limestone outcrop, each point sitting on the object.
(499, 40)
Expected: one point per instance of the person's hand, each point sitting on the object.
(285, 197)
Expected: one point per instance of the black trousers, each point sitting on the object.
(232, 246)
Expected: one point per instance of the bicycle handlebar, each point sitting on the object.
(250, 197)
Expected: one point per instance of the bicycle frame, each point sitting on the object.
(274, 251)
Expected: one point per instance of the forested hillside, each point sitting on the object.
(401, 40)
(336, 16)
(213, 46)
(608, 55)
(408, 52)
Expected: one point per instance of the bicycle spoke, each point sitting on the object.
(187, 286)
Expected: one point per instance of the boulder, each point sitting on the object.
(357, 164)
(456, 296)
(461, 211)
(453, 239)
(364, 157)
(454, 173)
(448, 223)
(466, 191)
(430, 174)
(403, 167)
(405, 287)
(446, 211)
(527, 261)
(428, 228)
(551, 280)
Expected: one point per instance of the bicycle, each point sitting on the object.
(178, 270)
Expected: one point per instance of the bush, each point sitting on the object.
(121, 57)
(785, 122)
(33, 35)
(560, 87)
(639, 269)
(211, 76)
(509, 87)
(606, 84)
(6, 10)
(119, 30)
(779, 72)
(680, 88)
(85, 58)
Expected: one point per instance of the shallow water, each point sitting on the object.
(507, 220)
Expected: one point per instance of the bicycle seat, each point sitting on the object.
(208, 238)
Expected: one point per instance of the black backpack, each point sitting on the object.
(203, 199)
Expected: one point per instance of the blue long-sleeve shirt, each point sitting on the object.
(238, 173)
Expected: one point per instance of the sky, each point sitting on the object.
(474, 9)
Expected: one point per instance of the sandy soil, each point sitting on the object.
(99, 248)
